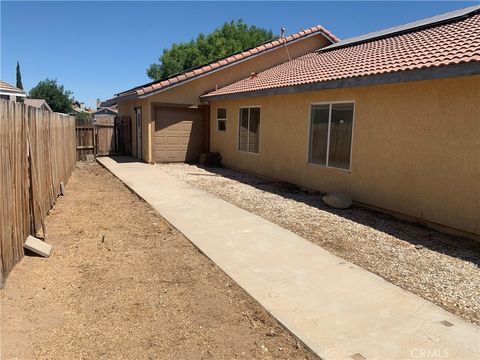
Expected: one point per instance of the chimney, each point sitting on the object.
(98, 102)
(282, 32)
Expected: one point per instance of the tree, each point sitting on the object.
(83, 118)
(226, 40)
(56, 96)
(19, 77)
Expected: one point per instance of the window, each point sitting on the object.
(331, 135)
(221, 119)
(249, 129)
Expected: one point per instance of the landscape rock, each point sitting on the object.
(337, 201)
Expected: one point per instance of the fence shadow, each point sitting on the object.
(413, 233)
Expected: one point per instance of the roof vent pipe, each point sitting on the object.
(282, 36)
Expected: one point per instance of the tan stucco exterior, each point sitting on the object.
(187, 94)
(415, 147)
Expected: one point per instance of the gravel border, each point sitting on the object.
(441, 268)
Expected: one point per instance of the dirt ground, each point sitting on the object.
(122, 284)
(440, 268)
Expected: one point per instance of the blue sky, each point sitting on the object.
(96, 49)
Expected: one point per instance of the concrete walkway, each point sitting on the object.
(336, 308)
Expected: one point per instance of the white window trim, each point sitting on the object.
(309, 139)
(221, 119)
(259, 127)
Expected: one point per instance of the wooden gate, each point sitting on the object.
(106, 136)
(85, 141)
(99, 139)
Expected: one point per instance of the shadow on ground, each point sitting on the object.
(416, 234)
(126, 159)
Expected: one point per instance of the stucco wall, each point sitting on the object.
(189, 92)
(127, 109)
(415, 151)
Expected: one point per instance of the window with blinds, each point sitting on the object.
(249, 129)
(331, 135)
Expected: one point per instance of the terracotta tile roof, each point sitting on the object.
(439, 45)
(7, 88)
(151, 87)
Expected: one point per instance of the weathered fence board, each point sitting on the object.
(37, 152)
(97, 138)
(85, 135)
(107, 138)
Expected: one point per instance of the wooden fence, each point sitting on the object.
(99, 139)
(37, 152)
(107, 135)
(85, 135)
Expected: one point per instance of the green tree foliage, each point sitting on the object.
(228, 39)
(83, 118)
(19, 77)
(57, 97)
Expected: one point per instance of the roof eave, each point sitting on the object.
(47, 106)
(430, 73)
(12, 93)
(135, 96)
(116, 100)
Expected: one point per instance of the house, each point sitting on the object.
(391, 118)
(170, 122)
(105, 115)
(38, 103)
(10, 92)
(80, 108)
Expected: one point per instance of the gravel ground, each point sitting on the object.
(440, 268)
(122, 284)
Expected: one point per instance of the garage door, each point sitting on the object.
(179, 134)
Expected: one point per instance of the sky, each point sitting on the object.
(97, 49)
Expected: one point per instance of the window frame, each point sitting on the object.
(259, 128)
(221, 119)
(309, 137)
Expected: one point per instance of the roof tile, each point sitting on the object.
(145, 89)
(441, 45)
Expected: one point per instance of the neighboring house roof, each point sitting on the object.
(441, 46)
(106, 111)
(79, 110)
(154, 87)
(104, 104)
(38, 103)
(7, 89)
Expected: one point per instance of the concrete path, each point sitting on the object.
(336, 308)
